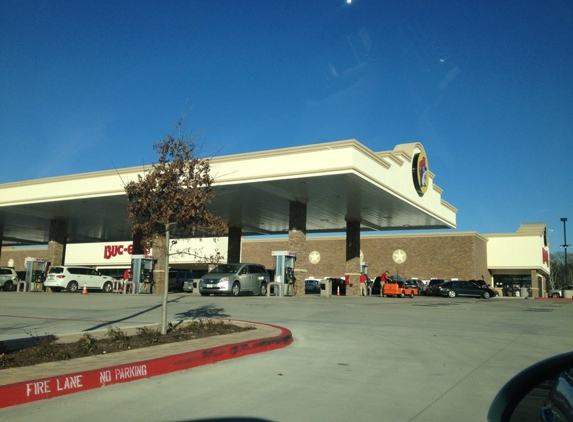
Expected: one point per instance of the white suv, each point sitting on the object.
(8, 278)
(559, 292)
(72, 278)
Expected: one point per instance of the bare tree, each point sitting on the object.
(173, 196)
(561, 274)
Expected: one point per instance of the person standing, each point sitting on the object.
(363, 291)
(126, 278)
(369, 285)
(383, 280)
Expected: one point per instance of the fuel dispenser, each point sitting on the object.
(364, 268)
(284, 270)
(141, 273)
(35, 274)
(369, 283)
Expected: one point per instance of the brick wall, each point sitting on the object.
(447, 256)
(462, 256)
(20, 254)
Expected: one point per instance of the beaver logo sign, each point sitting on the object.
(420, 172)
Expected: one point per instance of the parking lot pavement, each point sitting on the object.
(421, 359)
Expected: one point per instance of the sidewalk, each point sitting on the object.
(54, 379)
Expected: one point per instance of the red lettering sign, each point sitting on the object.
(110, 251)
(545, 255)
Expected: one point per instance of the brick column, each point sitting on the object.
(353, 256)
(297, 242)
(535, 284)
(234, 244)
(57, 242)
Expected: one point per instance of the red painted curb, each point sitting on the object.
(554, 298)
(46, 388)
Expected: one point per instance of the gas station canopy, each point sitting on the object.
(339, 181)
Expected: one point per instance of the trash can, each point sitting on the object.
(524, 292)
(191, 286)
(567, 293)
(326, 287)
(145, 287)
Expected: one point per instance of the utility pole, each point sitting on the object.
(565, 246)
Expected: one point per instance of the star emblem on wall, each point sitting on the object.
(314, 257)
(399, 256)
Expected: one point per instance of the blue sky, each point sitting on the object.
(486, 87)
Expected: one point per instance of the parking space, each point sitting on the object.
(448, 356)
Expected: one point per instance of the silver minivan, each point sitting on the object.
(235, 279)
(72, 278)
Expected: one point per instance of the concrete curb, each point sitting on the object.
(99, 373)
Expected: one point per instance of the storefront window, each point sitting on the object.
(512, 284)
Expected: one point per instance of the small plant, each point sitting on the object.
(116, 334)
(44, 344)
(204, 327)
(152, 335)
(5, 361)
(194, 327)
(46, 349)
(86, 344)
(41, 339)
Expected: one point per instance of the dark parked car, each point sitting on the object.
(177, 279)
(312, 285)
(465, 288)
(480, 283)
(433, 287)
(376, 286)
(415, 283)
(338, 285)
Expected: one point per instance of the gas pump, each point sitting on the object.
(35, 274)
(142, 273)
(364, 268)
(284, 270)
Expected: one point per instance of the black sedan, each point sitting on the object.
(338, 286)
(312, 285)
(465, 288)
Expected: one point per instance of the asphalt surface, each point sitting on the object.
(421, 359)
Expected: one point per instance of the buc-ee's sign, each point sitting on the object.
(111, 251)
